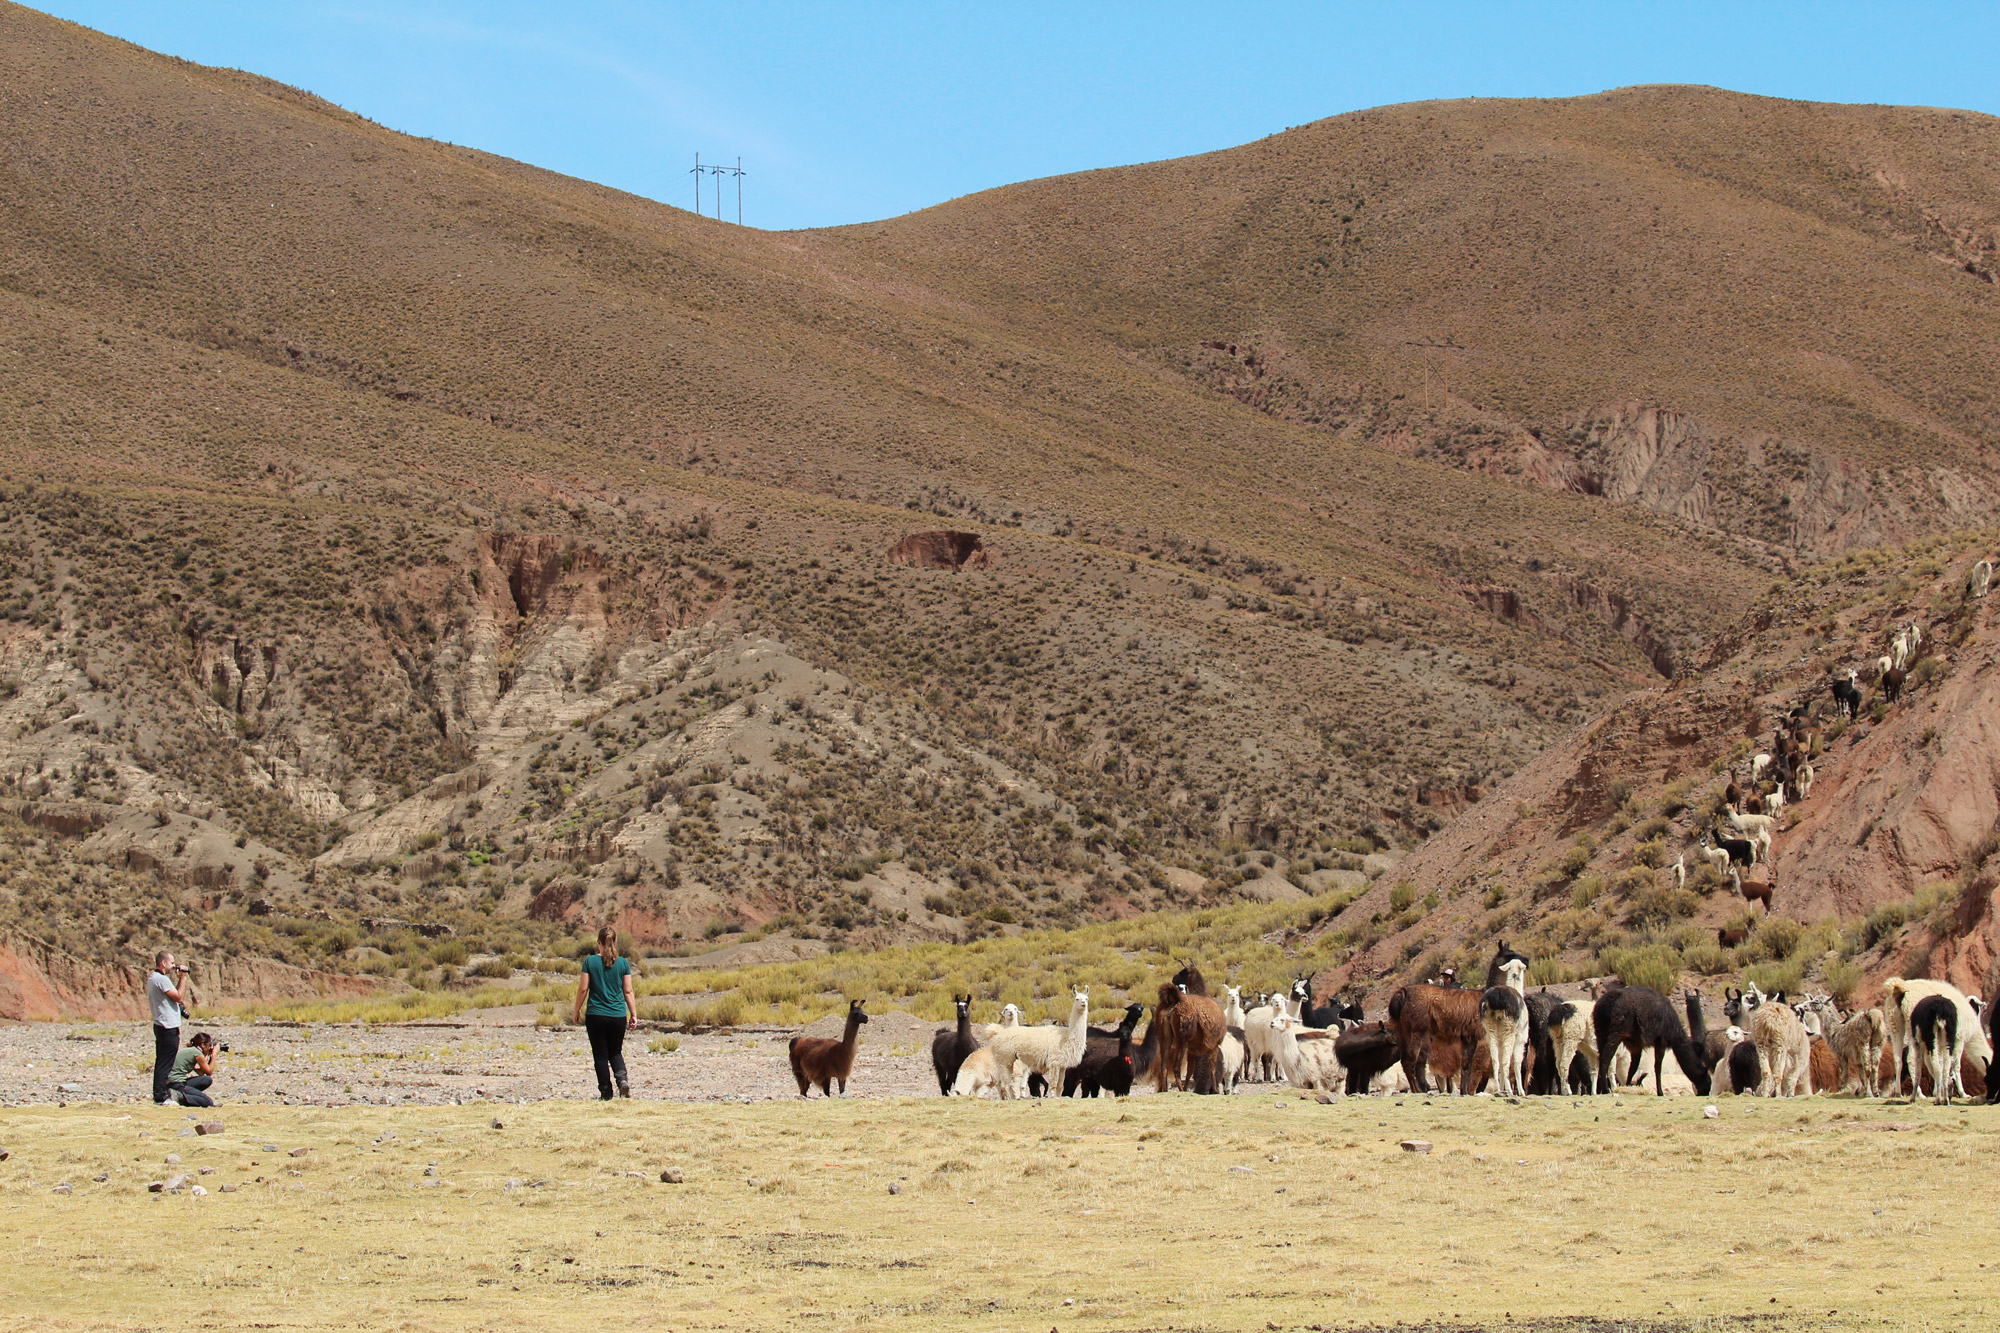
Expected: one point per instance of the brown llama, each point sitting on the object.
(821, 1062)
(1191, 1030)
(1823, 1067)
(1437, 1028)
(1756, 890)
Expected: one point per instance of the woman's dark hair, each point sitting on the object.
(607, 941)
(201, 1039)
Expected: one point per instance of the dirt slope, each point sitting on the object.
(1883, 870)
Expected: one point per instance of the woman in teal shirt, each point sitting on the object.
(605, 1007)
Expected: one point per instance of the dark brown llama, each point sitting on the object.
(1637, 1019)
(821, 1062)
(950, 1046)
(1437, 1027)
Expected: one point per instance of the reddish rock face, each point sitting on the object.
(557, 901)
(939, 550)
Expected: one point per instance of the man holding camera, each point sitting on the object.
(169, 996)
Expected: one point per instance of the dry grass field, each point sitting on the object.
(1155, 1213)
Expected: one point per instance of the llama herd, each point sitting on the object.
(1923, 1037)
(1502, 1038)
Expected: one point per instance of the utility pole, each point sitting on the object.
(718, 172)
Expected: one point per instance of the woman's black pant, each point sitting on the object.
(194, 1092)
(607, 1050)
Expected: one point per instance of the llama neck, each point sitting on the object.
(1697, 1026)
(1142, 1060)
(1684, 1055)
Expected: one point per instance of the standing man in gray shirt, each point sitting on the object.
(169, 996)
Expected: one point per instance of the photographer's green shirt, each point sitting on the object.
(183, 1069)
(607, 986)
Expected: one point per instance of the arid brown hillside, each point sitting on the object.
(397, 540)
(1885, 869)
(1773, 317)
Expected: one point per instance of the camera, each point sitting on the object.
(224, 1048)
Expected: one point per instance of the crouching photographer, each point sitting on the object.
(193, 1073)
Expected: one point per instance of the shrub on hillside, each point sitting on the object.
(1655, 966)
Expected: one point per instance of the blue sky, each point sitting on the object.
(847, 112)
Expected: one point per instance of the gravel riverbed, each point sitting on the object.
(495, 1055)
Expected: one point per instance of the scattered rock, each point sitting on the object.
(752, 1182)
(69, 1087)
(1710, 1112)
(209, 1127)
(671, 1176)
(894, 1188)
(226, 1189)
(61, 1189)
(173, 1159)
(156, 1187)
(206, 1171)
(430, 1170)
(99, 1179)
(298, 1152)
(1415, 1145)
(498, 1125)
(1326, 1099)
(4, 1154)
(1242, 1170)
(198, 1192)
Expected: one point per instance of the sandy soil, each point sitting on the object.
(492, 1054)
(496, 1055)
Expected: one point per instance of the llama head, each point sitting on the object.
(962, 1003)
(854, 1013)
(1734, 1034)
(1010, 1015)
(1514, 973)
(1235, 994)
